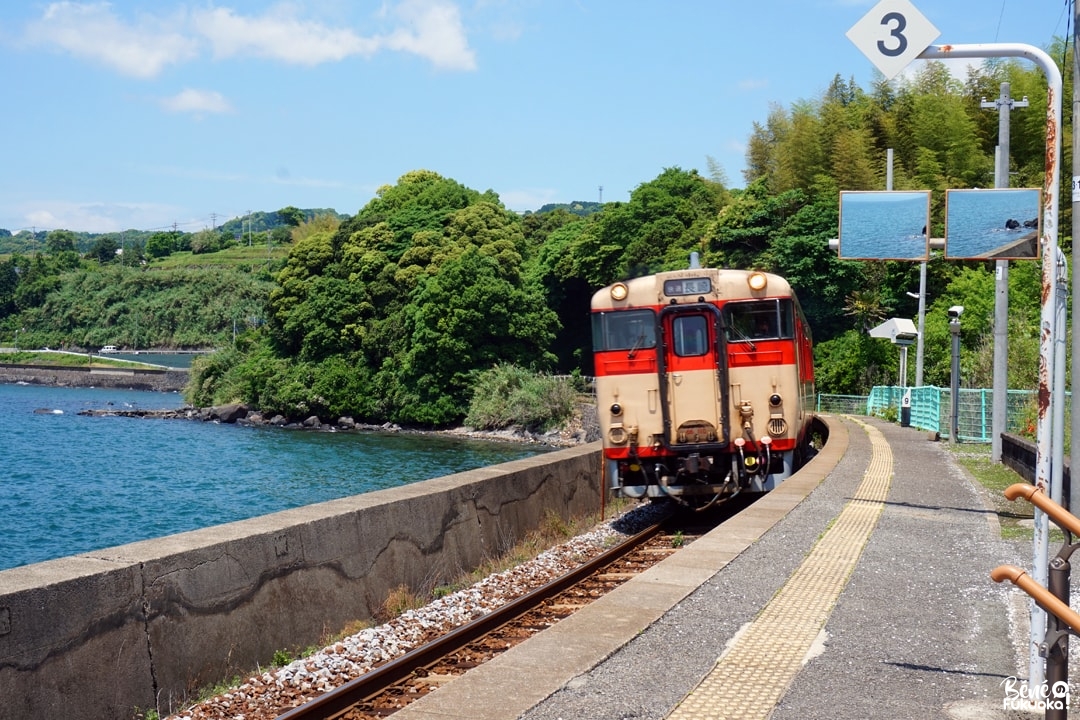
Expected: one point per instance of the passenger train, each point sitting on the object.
(704, 383)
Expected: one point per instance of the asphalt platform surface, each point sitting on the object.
(919, 631)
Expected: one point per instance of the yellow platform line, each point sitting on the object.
(752, 676)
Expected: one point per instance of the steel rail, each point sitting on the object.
(371, 683)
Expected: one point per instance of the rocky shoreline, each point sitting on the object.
(582, 428)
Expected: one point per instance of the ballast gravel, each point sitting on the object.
(273, 692)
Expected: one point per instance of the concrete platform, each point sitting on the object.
(859, 588)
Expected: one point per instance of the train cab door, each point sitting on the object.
(692, 384)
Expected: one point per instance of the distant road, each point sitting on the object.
(172, 359)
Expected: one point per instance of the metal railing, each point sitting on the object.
(931, 407)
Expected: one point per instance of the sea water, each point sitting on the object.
(73, 483)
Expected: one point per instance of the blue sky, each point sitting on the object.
(140, 115)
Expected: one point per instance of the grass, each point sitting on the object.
(995, 477)
(58, 358)
(552, 531)
(250, 255)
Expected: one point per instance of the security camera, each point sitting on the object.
(956, 311)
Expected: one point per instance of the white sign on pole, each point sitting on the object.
(893, 34)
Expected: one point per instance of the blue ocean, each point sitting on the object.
(74, 483)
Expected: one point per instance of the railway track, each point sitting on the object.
(389, 687)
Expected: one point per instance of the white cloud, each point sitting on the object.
(750, 84)
(434, 31)
(197, 102)
(95, 217)
(533, 199)
(140, 49)
(144, 46)
(278, 35)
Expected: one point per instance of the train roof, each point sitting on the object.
(724, 284)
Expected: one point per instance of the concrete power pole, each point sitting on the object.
(998, 419)
(1073, 495)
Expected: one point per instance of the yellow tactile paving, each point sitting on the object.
(751, 677)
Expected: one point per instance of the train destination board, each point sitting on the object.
(687, 286)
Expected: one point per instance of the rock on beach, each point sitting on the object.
(582, 428)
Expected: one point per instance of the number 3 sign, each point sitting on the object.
(893, 34)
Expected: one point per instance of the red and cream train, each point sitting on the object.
(704, 383)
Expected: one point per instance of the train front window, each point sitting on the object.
(690, 334)
(759, 320)
(629, 330)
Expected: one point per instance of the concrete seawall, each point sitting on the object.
(171, 380)
(99, 635)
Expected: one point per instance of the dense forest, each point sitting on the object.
(397, 312)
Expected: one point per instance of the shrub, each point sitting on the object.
(507, 396)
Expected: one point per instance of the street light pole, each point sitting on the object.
(954, 329)
(919, 353)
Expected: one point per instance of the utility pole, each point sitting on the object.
(601, 194)
(1071, 499)
(999, 415)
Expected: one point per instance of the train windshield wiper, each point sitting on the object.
(742, 337)
(637, 345)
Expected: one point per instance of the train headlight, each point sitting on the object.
(619, 291)
(775, 400)
(777, 426)
(616, 409)
(757, 281)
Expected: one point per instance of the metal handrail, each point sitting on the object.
(1033, 494)
(1042, 597)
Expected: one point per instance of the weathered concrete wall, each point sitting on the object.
(171, 380)
(95, 636)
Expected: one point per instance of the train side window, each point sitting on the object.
(764, 325)
(690, 335)
(624, 330)
(759, 320)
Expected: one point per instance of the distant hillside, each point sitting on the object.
(26, 242)
(581, 208)
(260, 221)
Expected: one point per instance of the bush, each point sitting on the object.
(507, 396)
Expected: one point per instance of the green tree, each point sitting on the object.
(59, 241)
(291, 216)
(163, 244)
(9, 282)
(103, 250)
(468, 317)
